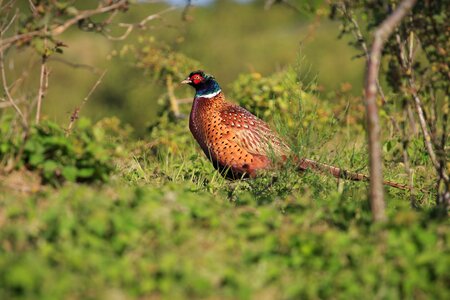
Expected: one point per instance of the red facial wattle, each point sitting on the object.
(196, 79)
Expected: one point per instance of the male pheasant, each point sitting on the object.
(238, 143)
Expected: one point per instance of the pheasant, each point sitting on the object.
(240, 144)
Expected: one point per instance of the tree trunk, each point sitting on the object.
(381, 34)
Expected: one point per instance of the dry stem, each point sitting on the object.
(76, 112)
(406, 62)
(6, 43)
(43, 83)
(130, 26)
(356, 30)
(172, 99)
(6, 89)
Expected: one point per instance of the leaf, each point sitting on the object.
(49, 168)
(71, 10)
(36, 159)
(86, 173)
(70, 173)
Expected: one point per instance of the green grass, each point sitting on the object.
(166, 225)
(204, 237)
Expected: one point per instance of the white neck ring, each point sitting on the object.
(211, 95)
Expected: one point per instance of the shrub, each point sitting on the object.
(172, 242)
(84, 156)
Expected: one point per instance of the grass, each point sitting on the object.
(166, 225)
(195, 235)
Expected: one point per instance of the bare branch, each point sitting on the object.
(269, 3)
(7, 4)
(6, 104)
(6, 43)
(5, 29)
(172, 99)
(76, 113)
(6, 89)
(423, 123)
(32, 6)
(86, 14)
(406, 62)
(356, 30)
(142, 24)
(381, 34)
(43, 83)
(75, 65)
(406, 162)
(184, 100)
(184, 14)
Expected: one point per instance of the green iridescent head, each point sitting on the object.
(205, 85)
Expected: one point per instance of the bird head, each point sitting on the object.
(196, 78)
(203, 83)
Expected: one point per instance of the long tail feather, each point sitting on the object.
(305, 164)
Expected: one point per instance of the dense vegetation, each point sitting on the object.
(95, 212)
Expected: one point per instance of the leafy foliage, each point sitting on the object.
(279, 93)
(86, 155)
(426, 24)
(161, 60)
(158, 59)
(174, 241)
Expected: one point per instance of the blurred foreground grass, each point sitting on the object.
(170, 227)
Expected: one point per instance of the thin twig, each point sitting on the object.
(110, 18)
(444, 196)
(32, 6)
(381, 34)
(357, 33)
(405, 143)
(184, 100)
(7, 5)
(5, 29)
(43, 83)
(6, 104)
(131, 26)
(76, 113)
(93, 69)
(423, 123)
(86, 14)
(6, 89)
(184, 13)
(6, 43)
(269, 3)
(172, 99)
(433, 114)
(413, 90)
(312, 28)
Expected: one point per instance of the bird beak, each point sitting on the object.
(186, 81)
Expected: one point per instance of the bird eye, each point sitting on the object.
(196, 78)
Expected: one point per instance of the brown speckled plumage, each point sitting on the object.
(234, 140)
(237, 142)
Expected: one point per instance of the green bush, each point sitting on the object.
(83, 156)
(266, 97)
(172, 242)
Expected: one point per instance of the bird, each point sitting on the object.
(241, 145)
